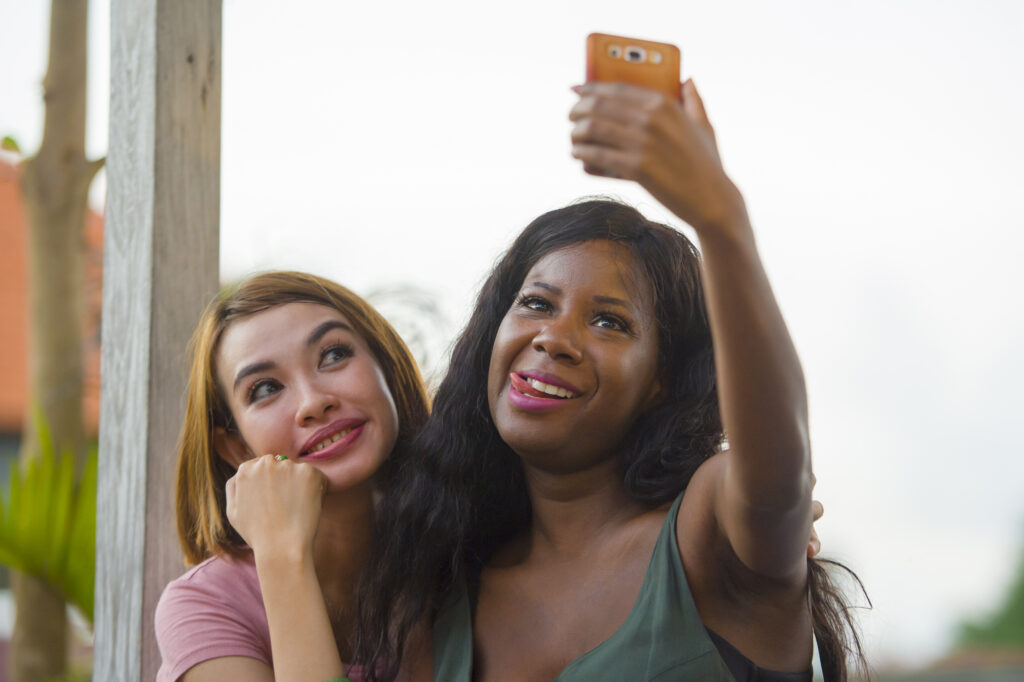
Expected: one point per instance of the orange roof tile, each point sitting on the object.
(14, 303)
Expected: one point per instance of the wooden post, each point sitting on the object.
(160, 268)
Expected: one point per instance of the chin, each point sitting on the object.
(534, 450)
(349, 475)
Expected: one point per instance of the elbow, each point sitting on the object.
(779, 480)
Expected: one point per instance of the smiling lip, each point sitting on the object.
(549, 379)
(351, 428)
(518, 387)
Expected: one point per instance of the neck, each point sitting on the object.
(574, 512)
(342, 545)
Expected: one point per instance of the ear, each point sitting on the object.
(230, 447)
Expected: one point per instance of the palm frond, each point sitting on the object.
(48, 523)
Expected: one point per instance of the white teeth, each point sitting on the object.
(557, 391)
(327, 441)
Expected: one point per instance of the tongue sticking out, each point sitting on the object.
(534, 393)
(523, 386)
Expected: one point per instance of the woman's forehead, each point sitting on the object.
(283, 328)
(600, 264)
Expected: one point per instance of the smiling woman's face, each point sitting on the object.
(575, 359)
(299, 381)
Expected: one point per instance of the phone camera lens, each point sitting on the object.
(635, 54)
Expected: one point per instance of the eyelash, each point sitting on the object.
(524, 301)
(251, 396)
(528, 300)
(344, 350)
(623, 326)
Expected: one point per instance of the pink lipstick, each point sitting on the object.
(333, 439)
(524, 396)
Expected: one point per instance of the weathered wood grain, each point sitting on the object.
(160, 268)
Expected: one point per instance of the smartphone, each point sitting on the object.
(631, 60)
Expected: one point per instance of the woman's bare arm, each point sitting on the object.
(275, 506)
(229, 668)
(762, 499)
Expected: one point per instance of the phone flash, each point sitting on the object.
(614, 51)
(655, 57)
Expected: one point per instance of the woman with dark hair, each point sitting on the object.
(570, 511)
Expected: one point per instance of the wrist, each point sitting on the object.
(284, 557)
(727, 216)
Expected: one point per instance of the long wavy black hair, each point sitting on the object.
(461, 493)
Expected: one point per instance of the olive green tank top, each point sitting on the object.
(661, 639)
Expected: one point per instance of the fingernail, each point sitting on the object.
(577, 89)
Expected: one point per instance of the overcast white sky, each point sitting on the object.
(880, 148)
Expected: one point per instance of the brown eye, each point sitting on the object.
(262, 389)
(612, 322)
(334, 354)
(535, 303)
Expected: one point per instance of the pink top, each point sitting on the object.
(213, 610)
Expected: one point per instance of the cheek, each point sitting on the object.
(393, 426)
(387, 411)
(500, 362)
(648, 384)
(638, 379)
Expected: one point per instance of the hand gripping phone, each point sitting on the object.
(631, 60)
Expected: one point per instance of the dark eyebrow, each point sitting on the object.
(547, 287)
(325, 327)
(251, 369)
(614, 301)
(607, 300)
(315, 336)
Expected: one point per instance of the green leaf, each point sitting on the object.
(81, 556)
(48, 524)
(63, 498)
(10, 144)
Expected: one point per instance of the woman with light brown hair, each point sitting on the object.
(301, 399)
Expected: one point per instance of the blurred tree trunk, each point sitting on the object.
(55, 184)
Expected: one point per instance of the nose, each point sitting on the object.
(314, 403)
(559, 340)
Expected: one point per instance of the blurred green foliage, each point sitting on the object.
(48, 522)
(1005, 629)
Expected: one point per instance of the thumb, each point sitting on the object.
(693, 105)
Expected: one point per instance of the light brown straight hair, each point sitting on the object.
(203, 528)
